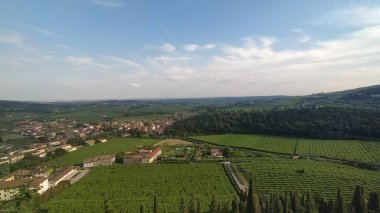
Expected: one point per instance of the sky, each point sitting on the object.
(138, 49)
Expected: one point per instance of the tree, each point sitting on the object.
(374, 201)
(142, 209)
(1, 140)
(358, 201)
(192, 205)
(235, 206)
(250, 197)
(339, 202)
(182, 206)
(199, 210)
(213, 205)
(155, 205)
(107, 208)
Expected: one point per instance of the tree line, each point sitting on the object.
(289, 202)
(307, 122)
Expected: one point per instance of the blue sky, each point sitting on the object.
(115, 49)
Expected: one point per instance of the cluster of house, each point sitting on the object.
(39, 179)
(104, 160)
(157, 126)
(36, 149)
(143, 156)
(216, 153)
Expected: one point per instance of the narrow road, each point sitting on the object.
(241, 186)
(79, 175)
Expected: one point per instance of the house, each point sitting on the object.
(132, 159)
(41, 172)
(61, 175)
(16, 158)
(3, 161)
(104, 160)
(66, 147)
(54, 143)
(143, 156)
(102, 140)
(90, 142)
(40, 184)
(152, 156)
(215, 153)
(8, 189)
(17, 175)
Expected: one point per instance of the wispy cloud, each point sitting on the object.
(167, 47)
(351, 16)
(171, 59)
(124, 61)
(87, 61)
(194, 47)
(44, 31)
(178, 73)
(136, 85)
(12, 38)
(107, 3)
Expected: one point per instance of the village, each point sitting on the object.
(45, 178)
(70, 135)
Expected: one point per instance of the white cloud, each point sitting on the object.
(107, 3)
(167, 47)
(190, 47)
(194, 47)
(135, 85)
(305, 39)
(351, 16)
(166, 59)
(124, 61)
(87, 61)
(43, 31)
(12, 38)
(178, 73)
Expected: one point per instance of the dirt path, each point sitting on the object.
(241, 186)
(78, 176)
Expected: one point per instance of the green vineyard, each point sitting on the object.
(320, 177)
(128, 187)
(361, 151)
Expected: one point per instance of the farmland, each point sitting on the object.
(113, 146)
(128, 187)
(279, 174)
(361, 151)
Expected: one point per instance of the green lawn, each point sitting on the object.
(362, 151)
(280, 174)
(113, 146)
(128, 187)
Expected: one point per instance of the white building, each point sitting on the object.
(64, 174)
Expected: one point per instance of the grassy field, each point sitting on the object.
(279, 174)
(128, 187)
(113, 146)
(10, 136)
(362, 151)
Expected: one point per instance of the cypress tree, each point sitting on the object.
(295, 204)
(374, 202)
(256, 203)
(339, 202)
(182, 206)
(235, 206)
(309, 206)
(192, 205)
(358, 202)
(213, 205)
(250, 197)
(141, 209)
(155, 205)
(107, 208)
(199, 209)
(285, 208)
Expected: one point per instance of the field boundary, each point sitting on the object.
(353, 163)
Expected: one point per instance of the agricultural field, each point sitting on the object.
(260, 142)
(128, 187)
(113, 146)
(280, 174)
(174, 142)
(361, 151)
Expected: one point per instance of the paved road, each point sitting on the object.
(241, 186)
(78, 176)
